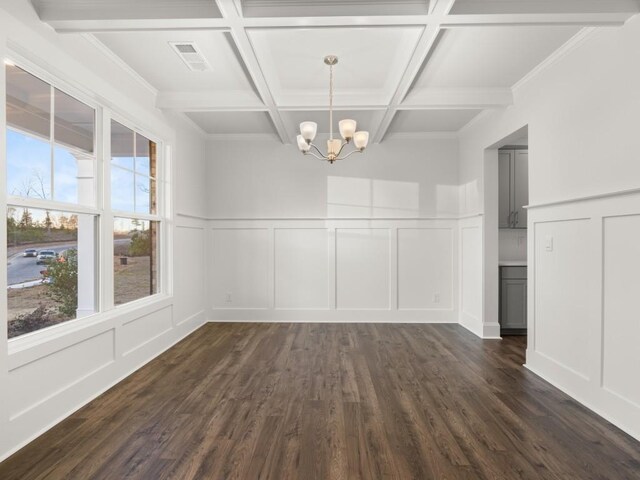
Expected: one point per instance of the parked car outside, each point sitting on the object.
(46, 256)
(30, 252)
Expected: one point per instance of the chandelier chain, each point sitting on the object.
(331, 102)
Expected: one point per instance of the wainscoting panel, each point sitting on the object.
(425, 268)
(362, 268)
(471, 272)
(621, 342)
(334, 270)
(301, 268)
(583, 302)
(37, 381)
(190, 271)
(240, 268)
(563, 250)
(142, 330)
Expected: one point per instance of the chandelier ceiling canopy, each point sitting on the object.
(347, 129)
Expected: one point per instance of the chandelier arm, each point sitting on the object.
(318, 150)
(350, 153)
(341, 148)
(314, 155)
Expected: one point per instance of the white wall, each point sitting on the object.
(373, 238)
(262, 178)
(582, 113)
(43, 378)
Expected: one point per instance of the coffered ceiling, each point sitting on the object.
(407, 67)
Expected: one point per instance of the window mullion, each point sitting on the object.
(52, 132)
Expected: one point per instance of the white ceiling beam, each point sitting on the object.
(424, 46)
(71, 25)
(229, 11)
(336, 108)
(210, 101)
(457, 98)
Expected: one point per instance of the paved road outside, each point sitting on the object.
(24, 269)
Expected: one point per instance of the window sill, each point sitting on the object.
(36, 345)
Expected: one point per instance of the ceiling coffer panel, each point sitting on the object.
(182, 60)
(50, 10)
(370, 66)
(489, 57)
(425, 121)
(191, 56)
(233, 123)
(488, 7)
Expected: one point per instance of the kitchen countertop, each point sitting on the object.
(512, 263)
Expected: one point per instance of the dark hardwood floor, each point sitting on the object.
(332, 401)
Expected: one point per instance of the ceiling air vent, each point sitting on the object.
(191, 56)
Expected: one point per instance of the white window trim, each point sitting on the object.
(106, 311)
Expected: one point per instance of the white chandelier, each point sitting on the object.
(347, 127)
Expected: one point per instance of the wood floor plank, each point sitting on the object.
(332, 401)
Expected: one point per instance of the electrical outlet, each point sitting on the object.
(436, 298)
(228, 298)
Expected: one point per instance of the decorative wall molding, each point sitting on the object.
(336, 219)
(582, 309)
(588, 198)
(337, 270)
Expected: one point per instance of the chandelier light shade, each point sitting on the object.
(347, 127)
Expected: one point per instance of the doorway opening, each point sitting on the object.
(506, 199)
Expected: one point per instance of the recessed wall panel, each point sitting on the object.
(189, 268)
(240, 268)
(362, 268)
(37, 381)
(425, 257)
(143, 329)
(301, 268)
(471, 274)
(563, 276)
(621, 341)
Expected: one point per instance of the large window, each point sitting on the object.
(51, 215)
(55, 214)
(135, 229)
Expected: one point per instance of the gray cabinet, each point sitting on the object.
(513, 168)
(513, 300)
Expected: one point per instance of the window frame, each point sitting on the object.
(159, 217)
(104, 113)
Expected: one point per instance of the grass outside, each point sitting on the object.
(131, 282)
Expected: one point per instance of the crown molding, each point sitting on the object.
(421, 136)
(243, 137)
(570, 45)
(120, 63)
(478, 118)
(192, 123)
